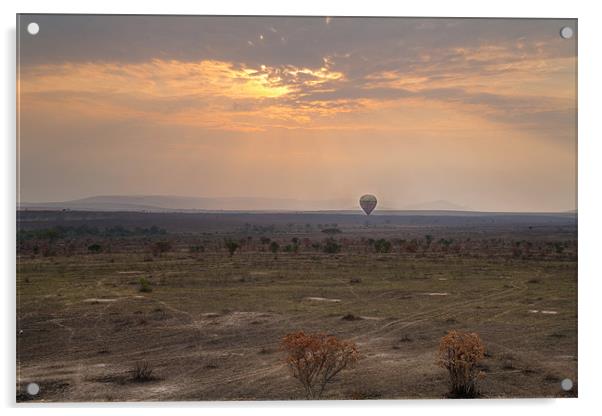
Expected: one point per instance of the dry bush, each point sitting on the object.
(460, 353)
(142, 372)
(315, 359)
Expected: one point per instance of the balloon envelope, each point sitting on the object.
(368, 203)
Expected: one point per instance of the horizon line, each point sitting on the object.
(287, 211)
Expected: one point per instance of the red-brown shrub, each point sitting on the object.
(459, 354)
(315, 359)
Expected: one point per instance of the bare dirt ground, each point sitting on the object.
(211, 326)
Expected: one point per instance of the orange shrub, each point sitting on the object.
(459, 354)
(315, 359)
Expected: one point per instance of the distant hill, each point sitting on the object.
(165, 203)
(439, 205)
(158, 203)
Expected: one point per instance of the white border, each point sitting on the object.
(590, 207)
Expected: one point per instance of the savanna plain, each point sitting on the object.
(133, 306)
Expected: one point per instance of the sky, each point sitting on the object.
(477, 112)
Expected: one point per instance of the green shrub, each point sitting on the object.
(145, 285)
(274, 247)
(382, 246)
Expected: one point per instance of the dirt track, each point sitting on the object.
(84, 328)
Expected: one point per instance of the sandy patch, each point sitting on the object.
(318, 299)
(435, 294)
(235, 318)
(372, 318)
(543, 312)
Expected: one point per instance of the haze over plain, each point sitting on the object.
(309, 108)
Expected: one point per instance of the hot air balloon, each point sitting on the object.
(368, 203)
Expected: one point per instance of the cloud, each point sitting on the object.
(490, 81)
(163, 104)
(207, 93)
(206, 70)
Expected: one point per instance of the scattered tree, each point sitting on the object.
(232, 246)
(382, 246)
(291, 248)
(460, 353)
(94, 248)
(331, 246)
(429, 239)
(315, 359)
(197, 248)
(559, 247)
(274, 247)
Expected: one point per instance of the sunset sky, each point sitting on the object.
(481, 113)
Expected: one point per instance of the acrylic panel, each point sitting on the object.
(291, 208)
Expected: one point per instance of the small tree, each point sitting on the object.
(445, 243)
(196, 248)
(429, 239)
(315, 359)
(292, 248)
(274, 247)
(459, 354)
(559, 247)
(331, 246)
(382, 246)
(94, 248)
(232, 246)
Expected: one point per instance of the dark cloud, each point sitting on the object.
(286, 40)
